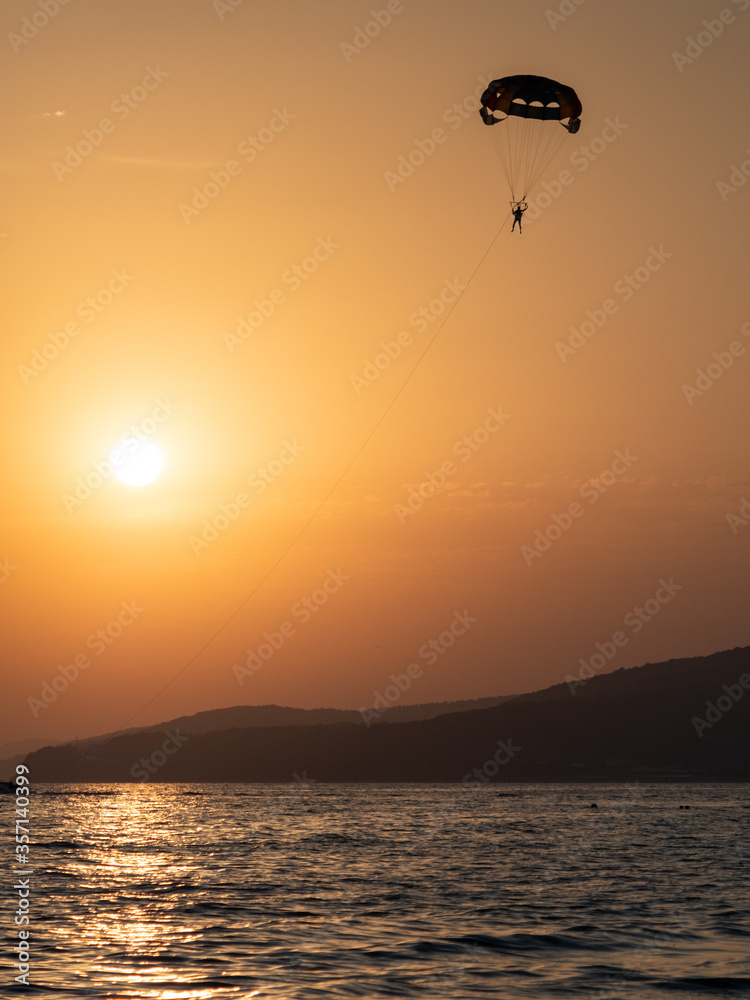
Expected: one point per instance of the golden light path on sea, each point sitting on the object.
(134, 857)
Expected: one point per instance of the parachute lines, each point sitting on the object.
(527, 138)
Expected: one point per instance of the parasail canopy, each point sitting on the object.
(527, 109)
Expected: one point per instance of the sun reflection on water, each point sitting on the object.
(135, 856)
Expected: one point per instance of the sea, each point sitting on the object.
(308, 890)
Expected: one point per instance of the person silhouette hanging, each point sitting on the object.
(517, 217)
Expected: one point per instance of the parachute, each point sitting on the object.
(528, 140)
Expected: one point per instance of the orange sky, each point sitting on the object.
(300, 129)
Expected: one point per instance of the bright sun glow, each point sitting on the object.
(137, 463)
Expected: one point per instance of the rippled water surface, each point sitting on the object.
(309, 891)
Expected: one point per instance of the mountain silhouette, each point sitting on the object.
(682, 720)
(243, 716)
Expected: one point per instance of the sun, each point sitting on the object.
(137, 462)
